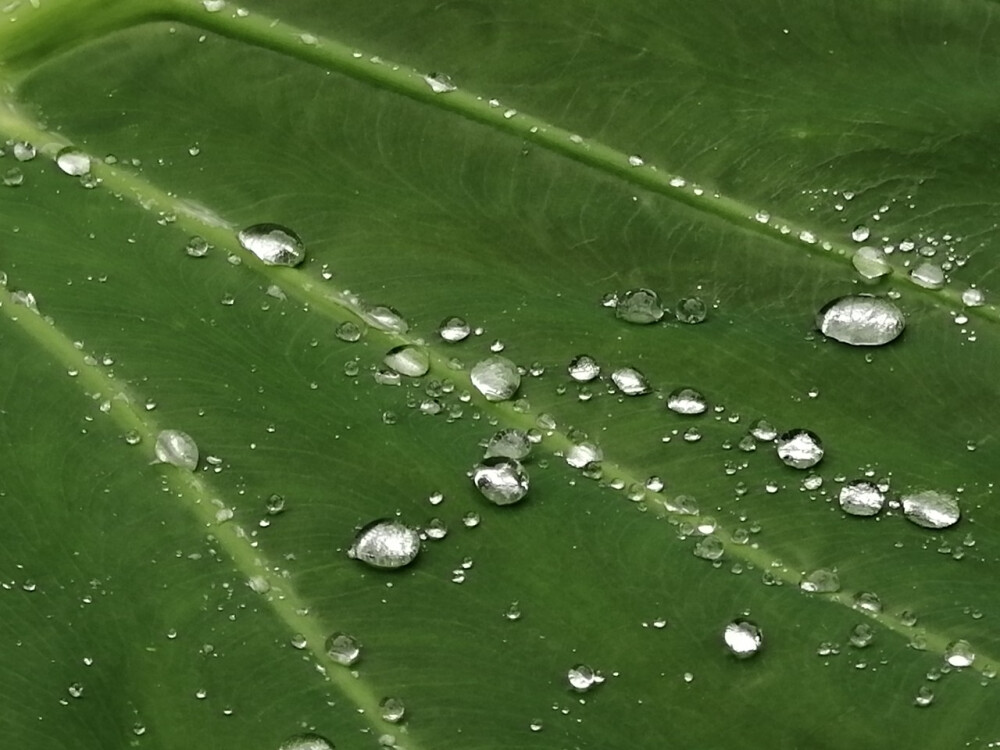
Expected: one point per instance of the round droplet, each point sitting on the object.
(959, 654)
(931, 509)
(73, 161)
(800, 449)
(275, 505)
(861, 320)
(393, 710)
(861, 498)
(502, 481)
(408, 360)
(867, 601)
(306, 742)
(630, 381)
(743, 638)
(640, 306)
(871, 262)
(496, 378)
(691, 310)
(343, 648)
(763, 431)
(384, 318)
(24, 151)
(386, 544)
(821, 581)
(197, 247)
(709, 548)
(454, 329)
(928, 275)
(177, 448)
(862, 635)
(686, 401)
(860, 233)
(511, 443)
(348, 331)
(584, 454)
(274, 244)
(582, 678)
(584, 368)
(973, 297)
(924, 696)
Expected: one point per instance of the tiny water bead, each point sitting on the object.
(691, 310)
(582, 678)
(343, 648)
(497, 378)
(871, 262)
(307, 741)
(931, 509)
(408, 360)
(502, 481)
(861, 498)
(800, 449)
(386, 544)
(273, 244)
(584, 368)
(630, 381)
(454, 330)
(177, 448)
(73, 162)
(392, 709)
(687, 401)
(861, 320)
(641, 306)
(510, 443)
(743, 638)
(959, 654)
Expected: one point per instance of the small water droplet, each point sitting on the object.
(640, 306)
(513, 612)
(470, 520)
(687, 401)
(511, 443)
(821, 581)
(392, 709)
(959, 654)
(860, 233)
(630, 381)
(177, 448)
(384, 318)
(72, 161)
(871, 262)
(931, 509)
(214, 6)
(440, 83)
(502, 481)
(536, 725)
(305, 741)
(24, 151)
(274, 244)
(299, 641)
(861, 320)
(197, 247)
(348, 331)
(386, 544)
(497, 378)
(867, 601)
(862, 635)
(924, 696)
(13, 177)
(763, 431)
(584, 454)
(743, 638)
(928, 275)
(709, 548)
(800, 449)
(973, 297)
(584, 368)
(691, 310)
(454, 329)
(861, 498)
(582, 678)
(132, 437)
(408, 360)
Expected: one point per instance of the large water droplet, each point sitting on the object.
(630, 381)
(821, 581)
(687, 401)
(931, 509)
(871, 262)
(393, 710)
(502, 481)
(928, 275)
(861, 498)
(343, 648)
(959, 654)
(177, 448)
(73, 162)
(386, 544)
(274, 244)
(496, 378)
(800, 449)
(584, 454)
(511, 443)
(640, 306)
(408, 360)
(582, 678)
(861, 320)
(306, 742)
(454, 329)
(743, 638)
(584, 368)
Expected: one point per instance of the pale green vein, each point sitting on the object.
(326, 298)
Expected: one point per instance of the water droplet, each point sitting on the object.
(496, 378)
(408, 360)
(867, 601)
(470, 520)
(454, 329)
(821, 581)
(274, 244)
(13, 177)
(928, 275)
(132, 437)
(931, 509)
(582, 678)
(513, 612)
(640, 306)
(24, 151)
(343, 648)
(384, 318)
(861, 320)
(763, 431)
(440, 83)
(691, 310)
(800, 449)
(73, 162)
(299, 641)
(386, 544)
(304, 741)
(348, 331)
(393, 710)
(214, 6)
(536, 725)
(630, 381)
(862, 635)
(924, 696)
(959, 654)
(871, 262)
(709, 548)
(512, 443)
(743, 638)
(502, 481)
(177, 448)
(584, 454)
(860, 233)
(861, 498)
(197, 247)
(584, 368)
(973, 297)
(686, 401)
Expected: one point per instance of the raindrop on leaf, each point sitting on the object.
(177, 448)
(386, 544)
(274, 244)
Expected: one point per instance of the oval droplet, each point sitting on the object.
(641, 306)
(177, 448)
(871, 262)
(743, 638)
(861, 320)
(273, 244)
(512, 443)
(959, 654)
(386, 544)
(686, 401)
(307, 741)
(691, 310)
(440, 83)
(584, 368)
(584, 454)
(502, 481)
(931, 509)
(349, 332)
(496, 378)
(861, 498)
(928, 275)
(821, 581)
(408, 360)
(343, 648)
(582, 678)
(630, 381)
(454, 329)
(862, 635)
(800, 449)
(73, 161)
(393, 710)
(384, 318)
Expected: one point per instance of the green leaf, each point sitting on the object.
(699, 150)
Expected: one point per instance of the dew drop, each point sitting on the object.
(582, 678)
(959, 654)
(273, 244)
(584, 368)
(973, 297)
(709, 548)
(800, 449)
(511, 443)
(454, 329)
(861, 498)
(743, 638)
(924, 696)
(73, 162)
(440, 83)
(821, 581)
(928, 275)
(384, 318)
(24, 151)
(197, 247)
(862, 635)
(502, 481)
(931, 509)
(640, 306)
(408, 360)
(306, 741)
(13, 177)
(630, 381)
(871, 262)
(497, 378)
(867, 601)
(385, 544)
(763, 431)
(691, 310)
(584, 454)
(860, 233)
(177, 448)
(861, 320)
(393, 710)
(348, 331)
(687, 401)
(343, 648)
